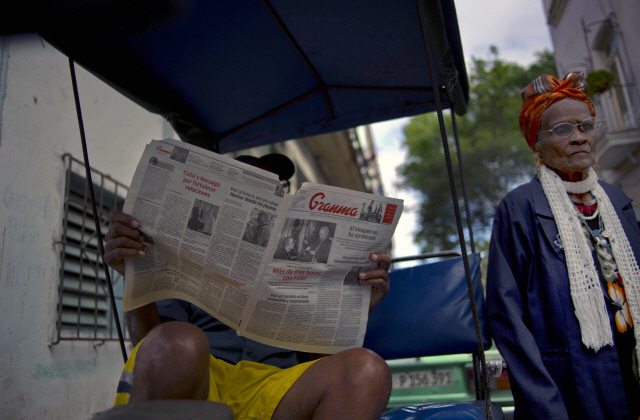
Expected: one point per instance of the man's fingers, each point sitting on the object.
(379, 283)
(116, 256)
(118, 222)
(377, 278)
(118, 230)
(372, 274)
(384, 261)
(124, 218)
(380, 258)
(123, 242)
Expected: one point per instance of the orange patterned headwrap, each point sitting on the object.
(543, 92)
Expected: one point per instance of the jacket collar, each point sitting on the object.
(545, 218)
(540, 202)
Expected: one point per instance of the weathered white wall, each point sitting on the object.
(72, 379)
(567, 37)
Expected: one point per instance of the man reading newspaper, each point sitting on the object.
(182, 352)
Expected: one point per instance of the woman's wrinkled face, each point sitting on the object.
(569, 157)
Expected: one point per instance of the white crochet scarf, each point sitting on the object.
(586, 293)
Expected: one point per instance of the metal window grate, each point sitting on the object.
(84, 312)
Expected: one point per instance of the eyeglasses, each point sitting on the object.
(566, 129)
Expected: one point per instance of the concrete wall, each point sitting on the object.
(38, 125)
(567, 37)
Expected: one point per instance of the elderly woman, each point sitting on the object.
(563, 285)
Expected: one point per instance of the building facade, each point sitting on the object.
(344, 159)
(592, 35)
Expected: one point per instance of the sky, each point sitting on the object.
(518, 29)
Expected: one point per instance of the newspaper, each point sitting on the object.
(279, 269)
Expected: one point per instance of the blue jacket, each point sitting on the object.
(553, 375)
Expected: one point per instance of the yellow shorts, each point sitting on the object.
(252, 390)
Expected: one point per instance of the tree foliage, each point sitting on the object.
(495, 155)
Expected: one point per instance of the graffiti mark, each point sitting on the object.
(28, 206)
(23, 229)
(63, 369)
(18, 273)
(4, 233)
(22, 222)
(23, 237)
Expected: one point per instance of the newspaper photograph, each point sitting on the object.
(280, 269)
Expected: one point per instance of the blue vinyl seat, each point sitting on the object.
(428, 312)
(463, 410)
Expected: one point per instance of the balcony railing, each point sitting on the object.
(617, 108)
(619, 137)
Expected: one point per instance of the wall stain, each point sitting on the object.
(63, 369)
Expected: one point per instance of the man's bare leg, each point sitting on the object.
(353, 384)
(172, 363)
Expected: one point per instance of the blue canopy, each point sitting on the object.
(243, 73)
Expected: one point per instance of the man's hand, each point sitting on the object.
(378, 278)
(123, 241)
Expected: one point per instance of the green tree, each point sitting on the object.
(495, 155)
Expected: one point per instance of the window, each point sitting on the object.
(555, 10)
(618, 94)
(617, 100)
(84, 309)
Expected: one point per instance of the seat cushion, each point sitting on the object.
(463, 410)
(427, 312)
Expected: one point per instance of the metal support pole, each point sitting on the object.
(427, 255)
(96, 218)
(586, 44)
(462, 181)
(456, 207)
